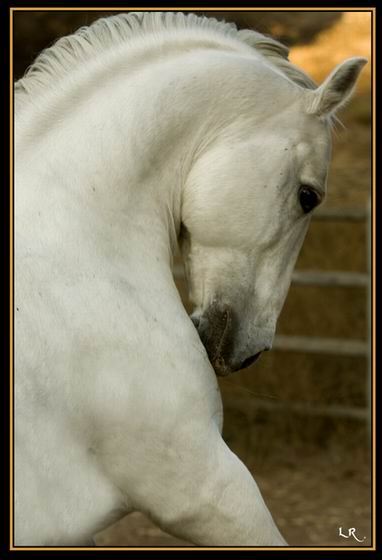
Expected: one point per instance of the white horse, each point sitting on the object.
(135, 133)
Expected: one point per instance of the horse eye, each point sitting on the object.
(309, 198)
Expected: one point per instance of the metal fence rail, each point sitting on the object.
(319, 345)
(313, 277)
(329, 278)
(309, 409)
(341, 214)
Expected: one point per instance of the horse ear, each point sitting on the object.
(337, 88)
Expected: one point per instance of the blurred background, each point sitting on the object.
(298, 418)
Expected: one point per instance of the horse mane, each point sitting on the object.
(71, 51)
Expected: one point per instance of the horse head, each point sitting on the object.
(247, 204)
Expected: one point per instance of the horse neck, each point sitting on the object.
(123, 152)
(123, 142)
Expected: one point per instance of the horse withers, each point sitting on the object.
(140, 132)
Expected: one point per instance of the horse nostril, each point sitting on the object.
(249, 361)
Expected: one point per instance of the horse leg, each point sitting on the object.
(202, 493)
(227, 508)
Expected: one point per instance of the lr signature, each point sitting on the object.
(351, 533)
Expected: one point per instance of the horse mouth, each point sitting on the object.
(248, 362)
(222, 370)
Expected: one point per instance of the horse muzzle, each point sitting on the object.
(217, 327)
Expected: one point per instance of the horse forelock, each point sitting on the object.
(72, 51)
